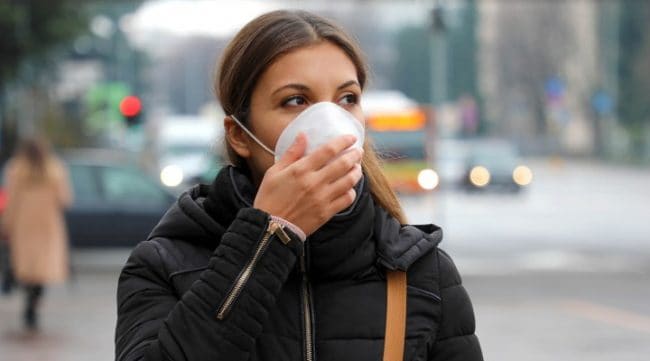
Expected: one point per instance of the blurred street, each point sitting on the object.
(578, 215)
(578, 294)
(526, 316)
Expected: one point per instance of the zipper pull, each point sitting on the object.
(277, 229)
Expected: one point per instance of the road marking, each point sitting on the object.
(609, 315)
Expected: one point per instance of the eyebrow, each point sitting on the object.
(302, 87)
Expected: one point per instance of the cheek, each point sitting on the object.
(358, 113)
(267, 126)
(276, 133)
(278, 121)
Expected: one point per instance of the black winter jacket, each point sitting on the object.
(322, 300)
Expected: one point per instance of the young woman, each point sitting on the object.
(38, 191)
(287, 259)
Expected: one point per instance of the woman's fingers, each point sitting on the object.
(325, 153)
(340, 166)
(294, 152)
(308, 190)
(344, 183)
(343, 201)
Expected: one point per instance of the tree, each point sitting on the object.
(533, 40)
(31, 29)
(634, 69)
(29, 32)
(412, 73)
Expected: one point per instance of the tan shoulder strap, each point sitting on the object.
(395, 316)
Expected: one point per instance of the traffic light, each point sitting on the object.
(438, 19)
(131, 108)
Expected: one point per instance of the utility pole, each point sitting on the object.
(438, 86)
(438, 50)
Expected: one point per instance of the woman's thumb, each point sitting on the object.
(295, 151)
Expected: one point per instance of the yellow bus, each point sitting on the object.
(402, 133)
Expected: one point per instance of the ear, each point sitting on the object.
(237, 138)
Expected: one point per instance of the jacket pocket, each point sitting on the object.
(424, 293)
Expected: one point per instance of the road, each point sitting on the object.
(562, 316)
(549, 315)
(560, 272)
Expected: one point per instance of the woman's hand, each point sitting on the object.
(308, 191)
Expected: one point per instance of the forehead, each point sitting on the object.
(320, 63)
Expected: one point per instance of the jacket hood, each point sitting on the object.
(399, 246)
(187, 220)
(363, 235)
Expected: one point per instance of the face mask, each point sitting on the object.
(320, 122)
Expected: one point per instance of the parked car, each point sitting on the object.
(116, 203)
(185, 149)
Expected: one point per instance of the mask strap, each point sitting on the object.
(259, 142)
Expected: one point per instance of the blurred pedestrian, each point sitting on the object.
(6, 273)
(37, 187)
(293, 251)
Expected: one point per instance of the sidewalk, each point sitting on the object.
(77, 321)
(532, 315)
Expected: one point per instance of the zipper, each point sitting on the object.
(273, 228)
(306, 301)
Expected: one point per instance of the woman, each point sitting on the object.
(37, 193)
(287, 260)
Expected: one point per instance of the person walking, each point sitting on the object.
(38, 191)
(295, 250)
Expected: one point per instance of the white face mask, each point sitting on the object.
(320, 122)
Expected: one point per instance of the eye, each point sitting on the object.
(294, 101)
(349, 99)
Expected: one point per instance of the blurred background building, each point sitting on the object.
(556, 78)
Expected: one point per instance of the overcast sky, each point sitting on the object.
(217, 18)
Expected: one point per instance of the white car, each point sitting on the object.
(187, 147)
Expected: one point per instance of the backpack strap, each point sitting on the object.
(395, 316)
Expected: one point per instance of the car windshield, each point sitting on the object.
(177, 150)
(400, 145)
(494, 157)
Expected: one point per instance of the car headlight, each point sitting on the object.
(522, 175)
(428, 179)
(479, 176)
(171, 175)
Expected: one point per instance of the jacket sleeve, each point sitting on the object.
(455, 340)
(154, 324)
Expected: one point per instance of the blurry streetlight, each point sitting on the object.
(438, 77)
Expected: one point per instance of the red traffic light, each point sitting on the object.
(130, 106)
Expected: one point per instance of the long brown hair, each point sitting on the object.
(258, 45)
(35, 153)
